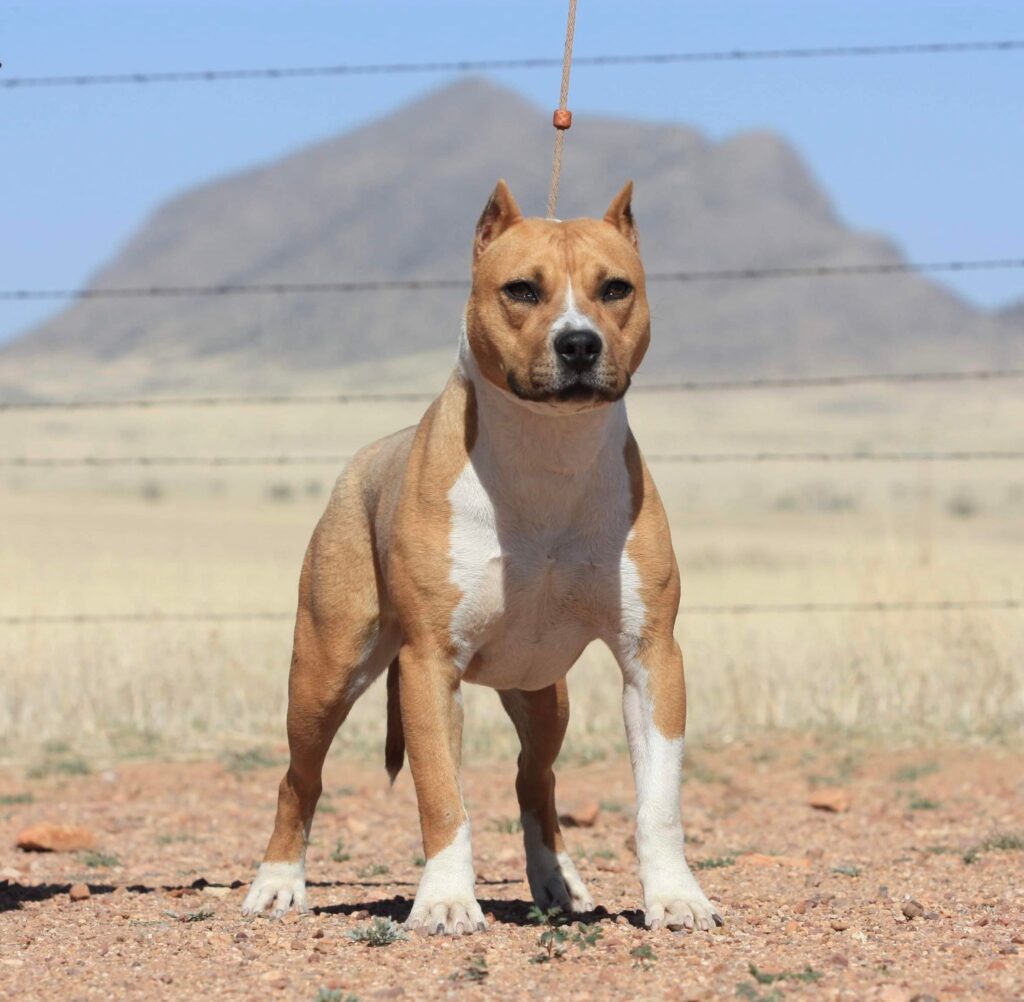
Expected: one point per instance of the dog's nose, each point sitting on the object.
(579, 350)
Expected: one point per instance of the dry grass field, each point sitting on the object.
(179, 539)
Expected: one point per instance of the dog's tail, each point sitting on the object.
(394, 745)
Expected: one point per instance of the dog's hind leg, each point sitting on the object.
(540, 720)
(341, 646)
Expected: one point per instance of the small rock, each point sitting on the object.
(79, 892)
(839, 925)
(630, 843)
(839, 960)
(923, 998)
(584, 817)
(1019, 939)
(217, 892)
(1009, 949)
(833, 799)
(913, 909)
(55, 838)
(361, 914)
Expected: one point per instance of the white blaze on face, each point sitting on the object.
(572, 318)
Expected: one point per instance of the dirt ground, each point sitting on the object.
(815, 901)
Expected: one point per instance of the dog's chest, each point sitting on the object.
(536, 584)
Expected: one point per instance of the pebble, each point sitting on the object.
(833, 799)
(79, 892)
(913, 909)
(583, 817)
(48, 837)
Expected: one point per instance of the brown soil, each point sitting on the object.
(816, 901)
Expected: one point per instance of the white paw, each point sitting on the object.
(681, 905)
(445, 900)
(457, 917)
(282, 885)
(555, 883)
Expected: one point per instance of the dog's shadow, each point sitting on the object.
(506, 912)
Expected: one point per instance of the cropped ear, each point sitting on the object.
(620, 214)
(500, 213)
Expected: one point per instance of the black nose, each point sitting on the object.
(578, 350)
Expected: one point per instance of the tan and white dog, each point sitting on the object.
(490, 544)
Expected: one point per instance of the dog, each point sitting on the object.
(490, 544)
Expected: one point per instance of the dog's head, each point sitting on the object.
(558, 312)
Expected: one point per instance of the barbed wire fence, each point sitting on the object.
(380, 286)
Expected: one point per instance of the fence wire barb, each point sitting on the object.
(435, 284)
(279, 73)
(732, 609)
(425, 396)
(698, 458)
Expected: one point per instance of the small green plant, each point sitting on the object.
(475, 969)
(372, 870)
(714, 863)
(584, 936)
(643, 957)
(98, 860)
(612, 806)
(339, 855)
(847, 870)
(238, 762)
(333, 995)
(59, 759)
(203, 915)
(912, 773)
(553, 935)
(507, 826)
(919, 803)
(808, 975)
(169, 838)
(379, 932)
(1001, 843)
(419, 860)
(749, 991)
(9, 799)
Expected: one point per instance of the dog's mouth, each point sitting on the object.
(584, 388)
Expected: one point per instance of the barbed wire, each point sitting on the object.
(435, 284)
(855, 456)
(425, 396)
(731, 609)
(279, 73)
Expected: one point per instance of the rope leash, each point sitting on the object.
(562, 118)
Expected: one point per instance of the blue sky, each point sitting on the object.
(929, 150)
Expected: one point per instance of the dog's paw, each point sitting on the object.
(681, 907)
(556, 883)
(449, 918)
(278, 886)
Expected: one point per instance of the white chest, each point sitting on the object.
(538, 582)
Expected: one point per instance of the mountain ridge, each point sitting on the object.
(397, 198)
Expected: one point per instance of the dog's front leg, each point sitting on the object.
(432, 720)
(654, 707)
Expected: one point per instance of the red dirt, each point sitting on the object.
(812, 893)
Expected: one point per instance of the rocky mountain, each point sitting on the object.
(398, 199)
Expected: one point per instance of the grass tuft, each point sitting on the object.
(379, 932)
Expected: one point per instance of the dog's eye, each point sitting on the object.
(522, 292)
(615, 288)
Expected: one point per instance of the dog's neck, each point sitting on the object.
(525, 438)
